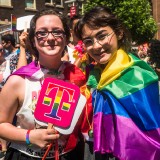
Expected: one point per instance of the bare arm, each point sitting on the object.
(22, 55)
(78, 62)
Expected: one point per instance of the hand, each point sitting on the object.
(43, 137)
(23, 39)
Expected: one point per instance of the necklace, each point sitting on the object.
(58, 73)
(54, 72)
(90, 132)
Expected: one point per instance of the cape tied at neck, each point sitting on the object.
(127, 109)
(99, 78)
(31, 70)
(115, 66)
(34, 70)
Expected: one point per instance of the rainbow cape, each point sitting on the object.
(126, 108)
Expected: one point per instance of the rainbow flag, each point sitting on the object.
(13, 22)
(126, 109)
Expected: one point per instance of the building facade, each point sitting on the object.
(20, 8)
(25, 7)
(29, 7)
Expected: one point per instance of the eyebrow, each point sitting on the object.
(46, 29)
(98, 33)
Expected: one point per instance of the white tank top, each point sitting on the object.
(25, 120)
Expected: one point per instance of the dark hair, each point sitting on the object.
(101, 17)
(33, 26)
(9, 37)
(75, 17)
(154, 52)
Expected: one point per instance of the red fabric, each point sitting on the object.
(87, 116)
(74, 75)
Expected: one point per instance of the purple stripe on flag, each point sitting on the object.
(119, 135)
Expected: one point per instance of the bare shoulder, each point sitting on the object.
(11, 97)
(14, 85)
(15, 81)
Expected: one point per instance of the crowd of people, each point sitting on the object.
(120, 119)
(150, 53)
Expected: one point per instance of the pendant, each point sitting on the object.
(90, 133)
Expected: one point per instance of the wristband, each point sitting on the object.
(27, 138)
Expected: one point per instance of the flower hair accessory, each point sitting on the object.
(79, 52)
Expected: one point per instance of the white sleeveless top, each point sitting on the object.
(25, 120)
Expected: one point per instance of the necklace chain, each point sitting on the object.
(90, 132)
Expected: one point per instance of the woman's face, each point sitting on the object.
(100, 43)
(49, 38)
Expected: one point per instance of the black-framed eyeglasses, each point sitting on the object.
(55, 33)
(88, 42)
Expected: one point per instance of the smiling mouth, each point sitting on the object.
(50, 46)
(102, 53)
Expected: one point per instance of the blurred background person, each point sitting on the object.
(70, 48)
(11, 52)
(142, 51)
(9, 45)
(154, 55)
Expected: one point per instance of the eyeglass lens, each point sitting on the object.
(99, 39)
(44, 34)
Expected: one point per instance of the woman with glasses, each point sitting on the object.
(126, 121)
(30, 138)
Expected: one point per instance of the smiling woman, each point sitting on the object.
(122, 88)
(102, 38)
(48, 35)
